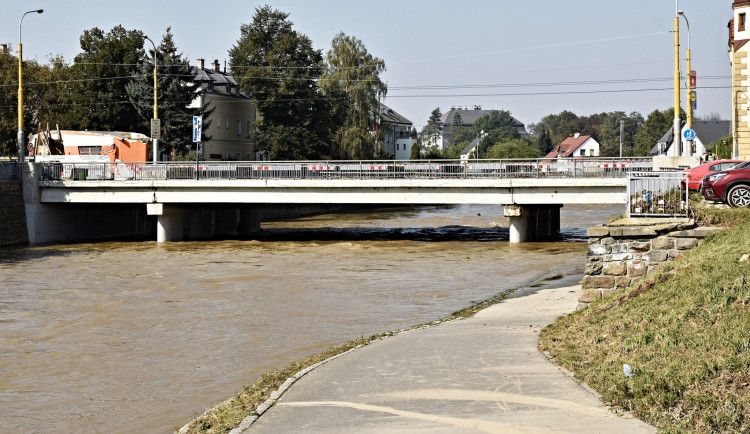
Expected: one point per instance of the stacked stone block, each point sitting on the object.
(620, 255)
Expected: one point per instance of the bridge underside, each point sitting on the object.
(188, 208)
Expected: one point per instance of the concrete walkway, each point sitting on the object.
(481, 374)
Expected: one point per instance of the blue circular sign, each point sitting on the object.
(689, 134)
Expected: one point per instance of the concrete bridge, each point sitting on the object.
(199, 200)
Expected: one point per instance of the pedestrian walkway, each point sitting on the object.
(481, 374)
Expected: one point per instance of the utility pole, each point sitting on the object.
(676, 130)
(622, 133)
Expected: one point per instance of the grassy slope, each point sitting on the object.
(685, 331)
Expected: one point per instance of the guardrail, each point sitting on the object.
(528, 168)
(8, 170)
(657, 194)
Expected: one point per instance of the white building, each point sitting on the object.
(577, 146)
(706, 133)
(397, 133)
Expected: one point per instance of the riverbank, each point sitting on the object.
(467, 355)
(674, 348)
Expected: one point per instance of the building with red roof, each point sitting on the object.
(577, 146)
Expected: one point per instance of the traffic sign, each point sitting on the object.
(156, 129)
(197, 128)
(689, 134)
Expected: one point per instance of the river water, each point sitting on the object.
(139, 337)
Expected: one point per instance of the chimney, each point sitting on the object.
(4, 49)
(216, 65)
(201, 63)
(577, 135)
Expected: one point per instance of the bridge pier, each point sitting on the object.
(533, 222)
(168, 221)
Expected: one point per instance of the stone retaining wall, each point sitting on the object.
(624, 251)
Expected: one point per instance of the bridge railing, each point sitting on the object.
(417, 169)
(657, 194)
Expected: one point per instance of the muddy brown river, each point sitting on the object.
(133, 337)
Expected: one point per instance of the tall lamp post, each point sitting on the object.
(21, 136)
(155, 120)
(689, 101)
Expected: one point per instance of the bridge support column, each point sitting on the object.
(168, 221)
(249, 221)
(533, 222)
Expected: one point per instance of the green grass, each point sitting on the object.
(685, 331)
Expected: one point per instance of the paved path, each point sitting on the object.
(482, 374)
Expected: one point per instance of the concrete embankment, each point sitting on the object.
(12, 214)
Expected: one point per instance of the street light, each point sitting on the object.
(676, 126)
(156, 109)
(21, 137)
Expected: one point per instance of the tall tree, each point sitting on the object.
(515, 148)
(609, 135)
(544, 141)
(279, 67)
(495, 127)
(176, 91)
(106, 64)
(351, 78)
(431, 132)
(657, 123)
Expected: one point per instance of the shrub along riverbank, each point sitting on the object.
(684, 331)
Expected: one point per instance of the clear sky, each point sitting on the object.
(532, 58)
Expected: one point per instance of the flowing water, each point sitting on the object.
(142, 337)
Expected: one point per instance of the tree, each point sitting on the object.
(416, 154)
(560, 126)
(431, 132)
(657, 123)
(515, 148)
(609, 135)
(351, 78)
(279, 67)
(98, 97)
(177, 90)
(544, 141)
(495, 127)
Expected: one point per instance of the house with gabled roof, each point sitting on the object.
(397, 133)
(706, 133)
(577, 146)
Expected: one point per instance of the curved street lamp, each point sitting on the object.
(21, 137)
(689, 103)
(156, 109)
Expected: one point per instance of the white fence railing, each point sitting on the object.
(529, 168)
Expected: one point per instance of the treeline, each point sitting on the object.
(309, 104)
(501, 140)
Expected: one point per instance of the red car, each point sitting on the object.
(731, 186)
(696, 174)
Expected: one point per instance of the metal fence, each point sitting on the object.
(8, 170)
(657, 194)
(529, 168)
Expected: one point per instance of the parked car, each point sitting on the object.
(696, 174)
(730, 186)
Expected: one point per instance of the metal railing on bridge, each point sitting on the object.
(658, 194)
(418, 169)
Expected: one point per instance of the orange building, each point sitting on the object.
(117, 146)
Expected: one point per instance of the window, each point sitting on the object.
(591, 152)
(239, 129)
(218, 121)
(741, 23)
(583, 152)
(227, 123)
(249, 127)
